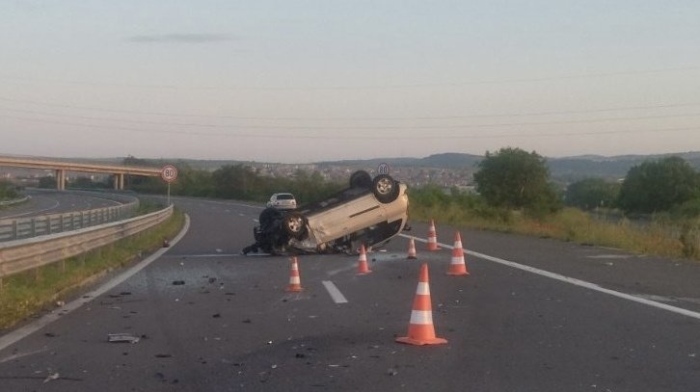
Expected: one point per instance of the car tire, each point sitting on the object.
(385, 188)
(295, 225)
(360, 179)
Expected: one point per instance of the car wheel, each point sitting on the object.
(385, 189)
(360, 179)
(295, 225)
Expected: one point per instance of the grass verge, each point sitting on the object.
(25, 294)
(658, 237)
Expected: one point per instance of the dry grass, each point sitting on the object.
(667, 239)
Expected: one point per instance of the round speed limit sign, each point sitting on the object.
(168, 173)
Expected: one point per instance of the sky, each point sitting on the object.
(306, 81)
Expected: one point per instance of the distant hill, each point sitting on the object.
(445, 161)
(566, 169)
(615, 167)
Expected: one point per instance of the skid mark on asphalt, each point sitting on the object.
(573, 281)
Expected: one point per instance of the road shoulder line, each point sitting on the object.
(19, 334)
(575, 282)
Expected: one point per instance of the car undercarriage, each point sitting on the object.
(369, 212)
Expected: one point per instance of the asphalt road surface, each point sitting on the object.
(47, 202)
(533, 315)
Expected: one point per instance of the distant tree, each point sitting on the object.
(238, 182)
(133, 161)
(8, 190)
(308, 188)
(142, 183)
(192, 182)
(660, 185)
(431, 195)
(590, 193)
(515, 179)
(86, 183)
(47, 182)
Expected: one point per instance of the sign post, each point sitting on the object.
(383, 168)
(168, 173)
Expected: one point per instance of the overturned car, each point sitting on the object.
(369, 212)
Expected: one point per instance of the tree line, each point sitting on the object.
(665, 185)
(515, 179)
(508, 179)
(8, 190)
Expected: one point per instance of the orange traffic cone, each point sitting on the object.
(411, 249)
(457, 265)
(432, 237)
(420, 329)
(294, 278)
(362, 267)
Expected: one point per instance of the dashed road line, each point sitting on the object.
(335, 294)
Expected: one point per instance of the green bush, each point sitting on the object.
(8, 190)
(690, 209)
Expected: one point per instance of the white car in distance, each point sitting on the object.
(282, 201)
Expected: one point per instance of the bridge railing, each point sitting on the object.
(26, 254)
(15, 229)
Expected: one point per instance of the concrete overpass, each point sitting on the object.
(61, 168)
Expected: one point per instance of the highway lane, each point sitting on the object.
(212, 320)
(46, 202)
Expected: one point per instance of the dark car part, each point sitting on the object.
(360, 179)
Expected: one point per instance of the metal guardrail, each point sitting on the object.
(22, 255)
(15, 229)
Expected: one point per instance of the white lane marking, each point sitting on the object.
(335, 294)
(37, 212)
(22, 355)
(339, 270)
(21, 333)
(206, 256)
(575, 282)
(224, 203)
(609, 256)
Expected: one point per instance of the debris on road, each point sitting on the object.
(51, 377)
(122, 338)
(178, 282)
